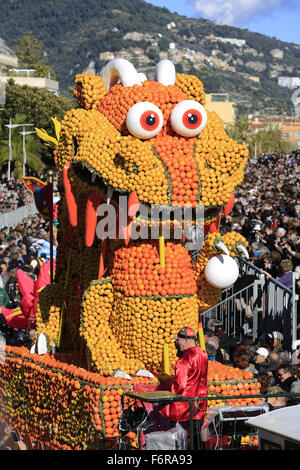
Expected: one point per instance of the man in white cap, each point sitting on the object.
(261, 360)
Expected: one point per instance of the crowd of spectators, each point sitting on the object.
(277, 369)
(13, 194)
(17, 251)
(267, 214)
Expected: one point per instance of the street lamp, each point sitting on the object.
(10, 127)
(24, 147)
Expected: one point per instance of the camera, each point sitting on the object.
(12, 336)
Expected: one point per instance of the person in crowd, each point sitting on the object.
(13, 194)
(287, 275)
(211, 351)
(242, 358)
(4, 298)
(284, 356)
(276, 402)
(289, 381)
(190, 380)
(261, 360)
(227, 344)
(286, 376)
(264, 380)
(271, 341)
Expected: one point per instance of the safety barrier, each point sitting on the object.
(12, 218)
(261, 305)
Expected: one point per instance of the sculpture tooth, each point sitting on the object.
(222, 247)
(92, 204)
(109, 194)
(133, 204)
(243, 250)
(70, 198)
(93, 177)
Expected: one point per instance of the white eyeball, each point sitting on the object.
(144, 120)
(188, 118)
(221, 271)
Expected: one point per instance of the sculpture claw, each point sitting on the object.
(243, 250)
(122, 374)
(41, 346)
(222, 247)
(144, 373)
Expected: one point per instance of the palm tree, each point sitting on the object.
(33, 150)
(269, 139)
(239, 131)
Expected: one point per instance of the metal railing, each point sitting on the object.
(12, 218)
(264, 304)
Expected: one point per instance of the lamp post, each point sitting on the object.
(10, 127)
(24, 133)
(50, 176)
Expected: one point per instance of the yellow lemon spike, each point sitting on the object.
(57, 127)
(42, 134)
(162, 251)
(166, 359)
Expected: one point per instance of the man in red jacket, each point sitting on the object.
(190, 380)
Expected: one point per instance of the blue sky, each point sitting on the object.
(275, 18)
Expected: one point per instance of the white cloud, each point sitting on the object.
(236, 12)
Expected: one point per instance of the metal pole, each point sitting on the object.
(191, 425)
(51, 226)
(9, 150)
(294, 308)
(10, 127)
(24, 152)
(24, 148)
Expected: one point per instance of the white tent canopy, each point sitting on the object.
(284, 422)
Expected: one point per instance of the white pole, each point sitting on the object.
(9, 150)
(10, 127)
(24, 152)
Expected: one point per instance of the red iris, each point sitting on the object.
(192, 118)
(149, 120)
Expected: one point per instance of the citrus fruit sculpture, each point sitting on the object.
(126, 275)
(152, 144)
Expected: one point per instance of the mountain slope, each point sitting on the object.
(75, 35)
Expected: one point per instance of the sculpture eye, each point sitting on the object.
(144, 120)
(188, 118)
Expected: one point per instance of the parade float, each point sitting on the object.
(105, 323)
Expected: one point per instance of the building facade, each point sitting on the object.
(221, 104)
(9, 70)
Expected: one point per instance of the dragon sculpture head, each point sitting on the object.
(153, 139)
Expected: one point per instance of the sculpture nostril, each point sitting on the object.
(74, 147)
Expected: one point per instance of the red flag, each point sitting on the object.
(43, 195)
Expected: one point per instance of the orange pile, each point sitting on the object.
(137, 271)
(60, 404)
(227, 381)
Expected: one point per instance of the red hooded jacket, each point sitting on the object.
(190, 381)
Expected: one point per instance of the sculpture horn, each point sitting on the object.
(120, 69)
(165, 72)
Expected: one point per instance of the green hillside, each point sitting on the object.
(76, 35)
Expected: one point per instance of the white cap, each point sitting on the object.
(262, 352)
